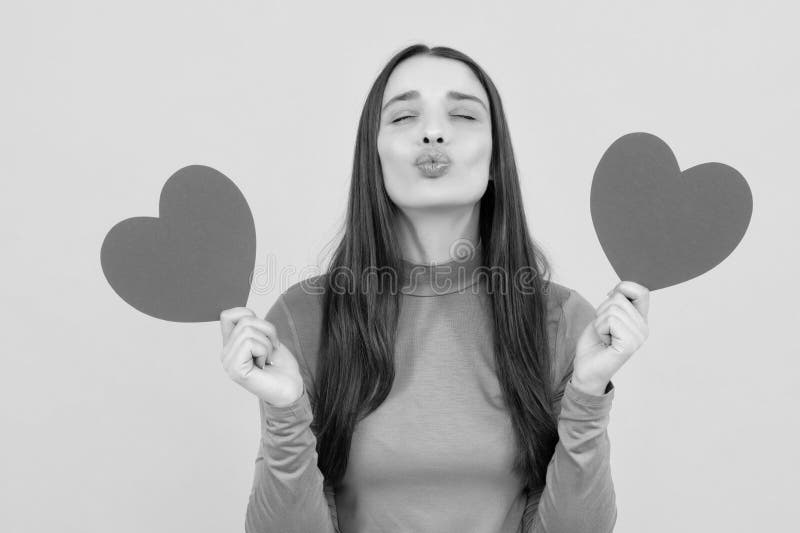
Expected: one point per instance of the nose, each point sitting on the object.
(433, 131)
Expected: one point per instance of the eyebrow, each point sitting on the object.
(452, 95)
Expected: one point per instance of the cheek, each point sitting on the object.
(394, 155)
(387, 150)
(392, 160)
(478, 151)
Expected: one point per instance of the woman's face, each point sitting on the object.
(446, 110)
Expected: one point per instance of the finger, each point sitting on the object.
(229, 317)
(615, 298)
(261, 349)
(630, 288)
(237, 355)
(244, 363)
(256, 334)
(621, 301)
(614, 288)
(613, 327)
(271, 332)
(637, 294)
(260, 324)
(262, 360)
(601, 327)
(242, 360)
(621, 328)
(624, 339)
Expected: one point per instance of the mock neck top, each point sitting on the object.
(459, 273)
(436, 456)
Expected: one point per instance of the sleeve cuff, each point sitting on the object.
(278, 416)
(585, 399)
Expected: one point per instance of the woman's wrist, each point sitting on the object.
(589, 386)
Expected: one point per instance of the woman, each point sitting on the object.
(470, 399)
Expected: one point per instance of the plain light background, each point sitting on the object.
(116, 421)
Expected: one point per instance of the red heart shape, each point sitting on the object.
(659, 226)
(193, 261)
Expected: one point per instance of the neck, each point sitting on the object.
(460, 273)
(434, 236)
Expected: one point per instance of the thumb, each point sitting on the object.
(261, 352)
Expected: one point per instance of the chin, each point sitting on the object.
(417, 191)
(451, 199)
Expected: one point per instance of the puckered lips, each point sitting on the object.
(433, 162)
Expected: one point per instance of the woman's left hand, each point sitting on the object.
(618, 330)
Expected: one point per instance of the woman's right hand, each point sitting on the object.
(254, 357)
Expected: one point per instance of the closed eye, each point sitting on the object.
(399, 119)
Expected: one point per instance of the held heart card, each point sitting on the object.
(193, 261)
(659, 226)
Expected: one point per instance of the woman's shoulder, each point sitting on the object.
(565, 304)
(298, 316)
(305, 296)
(569, 314)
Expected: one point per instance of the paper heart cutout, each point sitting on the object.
(193, 261)
(659, 226)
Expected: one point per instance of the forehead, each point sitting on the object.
(433, 77)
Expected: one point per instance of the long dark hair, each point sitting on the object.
(356, 365)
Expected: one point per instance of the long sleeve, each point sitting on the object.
(579, 492)
(289, 493)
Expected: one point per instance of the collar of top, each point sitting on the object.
(435, 279)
